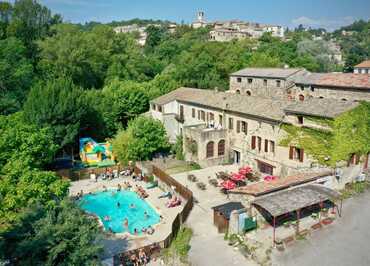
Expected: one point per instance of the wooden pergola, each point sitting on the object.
(294, 200)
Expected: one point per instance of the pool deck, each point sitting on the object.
(118, 243)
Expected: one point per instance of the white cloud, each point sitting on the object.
(330, 24)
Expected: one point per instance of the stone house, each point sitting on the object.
(362, 68)
(300, 84)
(225, 127)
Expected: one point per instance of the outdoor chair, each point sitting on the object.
(213, 182)
(201, 185)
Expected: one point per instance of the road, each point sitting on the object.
(345, 243)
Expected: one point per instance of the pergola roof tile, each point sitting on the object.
(289, 200)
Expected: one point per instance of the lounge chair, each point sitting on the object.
(152, 185)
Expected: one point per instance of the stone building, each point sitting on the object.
(223, 127)
(300, 84)
(362, 68)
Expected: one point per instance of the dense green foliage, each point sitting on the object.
(143, 138)
(62, 235)
(348, 134)
(355, 44)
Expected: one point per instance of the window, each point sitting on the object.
(253, 143)
(238, 126)
(250, 81)
(300, 119)
(199, 115)
(211, 117)
(153, 106)
(344, 100)
(265, 168)
(265, 82)
(259, 143)
(244, 127)
(296, 153)
(239, 80)
(210, 149)
(321, 97)
(237, 91)
(302, 88)
(220, 120)
(231, 123)
(160, 108)
(272, 146)
(203, 115)
(249, 93)
(312, 88)
(193, 112)
(278, 83)
(301, 97)
(221, 148)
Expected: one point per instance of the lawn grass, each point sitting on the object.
(179, 247)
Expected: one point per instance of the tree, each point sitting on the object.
(16, 74)
(59, 235)
(30, 21)
(129, 100)
(21, 141)
(143, 138)
(59, 105)
(154, 36)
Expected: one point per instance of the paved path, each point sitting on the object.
(345, 243)
(208, 247)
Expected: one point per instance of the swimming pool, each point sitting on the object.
(105, 204)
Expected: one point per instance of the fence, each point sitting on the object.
(81, 174)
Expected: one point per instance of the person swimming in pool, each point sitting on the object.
(132, 206)
(125, 223)
(106, 218)
(118, 204)
(146, 215)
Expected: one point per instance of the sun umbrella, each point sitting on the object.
(237, 177)
(228, 184)
(246, 170)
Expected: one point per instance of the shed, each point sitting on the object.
(221, 215)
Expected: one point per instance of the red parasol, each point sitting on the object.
(246, 169)
(228, 184)
(237, 177)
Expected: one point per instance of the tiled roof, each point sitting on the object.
(329, 108)
(250, 105)
(364, 64)
(282, 73)
(343, 80)
(269, 108)
(265, 187)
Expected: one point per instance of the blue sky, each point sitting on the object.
(330, 14)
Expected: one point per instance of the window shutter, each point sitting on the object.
(266, 145)
(253, 142)
(259, 143)
(301, 155)
(291, 150)
(238, 126)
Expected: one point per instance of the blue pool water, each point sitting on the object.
(105, 204)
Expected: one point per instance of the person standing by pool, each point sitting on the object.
(136, 232)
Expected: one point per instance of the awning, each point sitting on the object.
(289, 200)
(265, 187)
